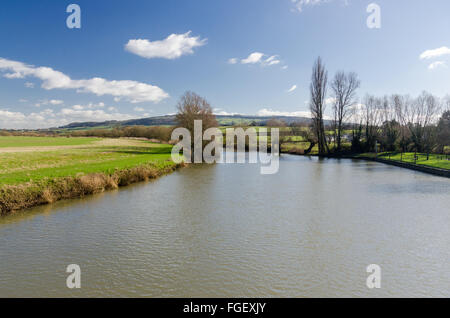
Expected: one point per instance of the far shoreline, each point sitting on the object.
(421, 168)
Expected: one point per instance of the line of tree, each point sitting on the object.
(401, 123)
(161, 133)
(388, 123)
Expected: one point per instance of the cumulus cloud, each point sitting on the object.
(173, 47)
(50, 118)
(221, 112)
(89, 106)
(29, 85)
(437, 64)
(253, 58)
(53, 102)
(429, 54)
(258, 58)
(139, 109)
(56, 102)
(293, 88)
(6, 116)
(269, 112)
(14, 120)
(133, 91)
(68, 115)
(300, 4)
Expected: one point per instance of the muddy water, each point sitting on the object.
(228, 231)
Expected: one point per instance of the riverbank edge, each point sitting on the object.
(425, 169)
(15, 198)
(430, 170)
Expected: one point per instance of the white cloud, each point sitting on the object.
(253, 58)
(330, 101)
(8, 116)
(134, 91)
(56, 102)
(437, 64)
(293, 88)
(269, 112)
(173, 47)
(221, 112)
(89, 106)
(49, 118)
(71, 115)
(53, 102)
(258, 58)
(29, 85)
(273, 60)
(13, 120)
(429, 54)
(300, 4)
(139, 109)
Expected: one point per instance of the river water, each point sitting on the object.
(227, 231)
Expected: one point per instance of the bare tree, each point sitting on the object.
(192, 107)
(390, 128)
(443, 131)
(372, 116)
(356, 118)
(308, 136)
(317, 105)
(446, 103)
(419, 116)
(401, 105)
(276, 123)
(344, 88)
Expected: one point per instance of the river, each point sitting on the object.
(225, 230)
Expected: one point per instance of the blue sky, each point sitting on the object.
(408, 54)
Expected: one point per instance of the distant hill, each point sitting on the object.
(169, 120)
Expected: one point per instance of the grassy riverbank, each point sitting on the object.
(40, 170)
(432, 160)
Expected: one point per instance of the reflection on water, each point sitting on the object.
(228, 231)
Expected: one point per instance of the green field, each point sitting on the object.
(91, 155)
(433, 160)
(23, 141)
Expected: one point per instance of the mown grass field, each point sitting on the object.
(41, 170)
(436, 161)
(91, 155)
(22, 141)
